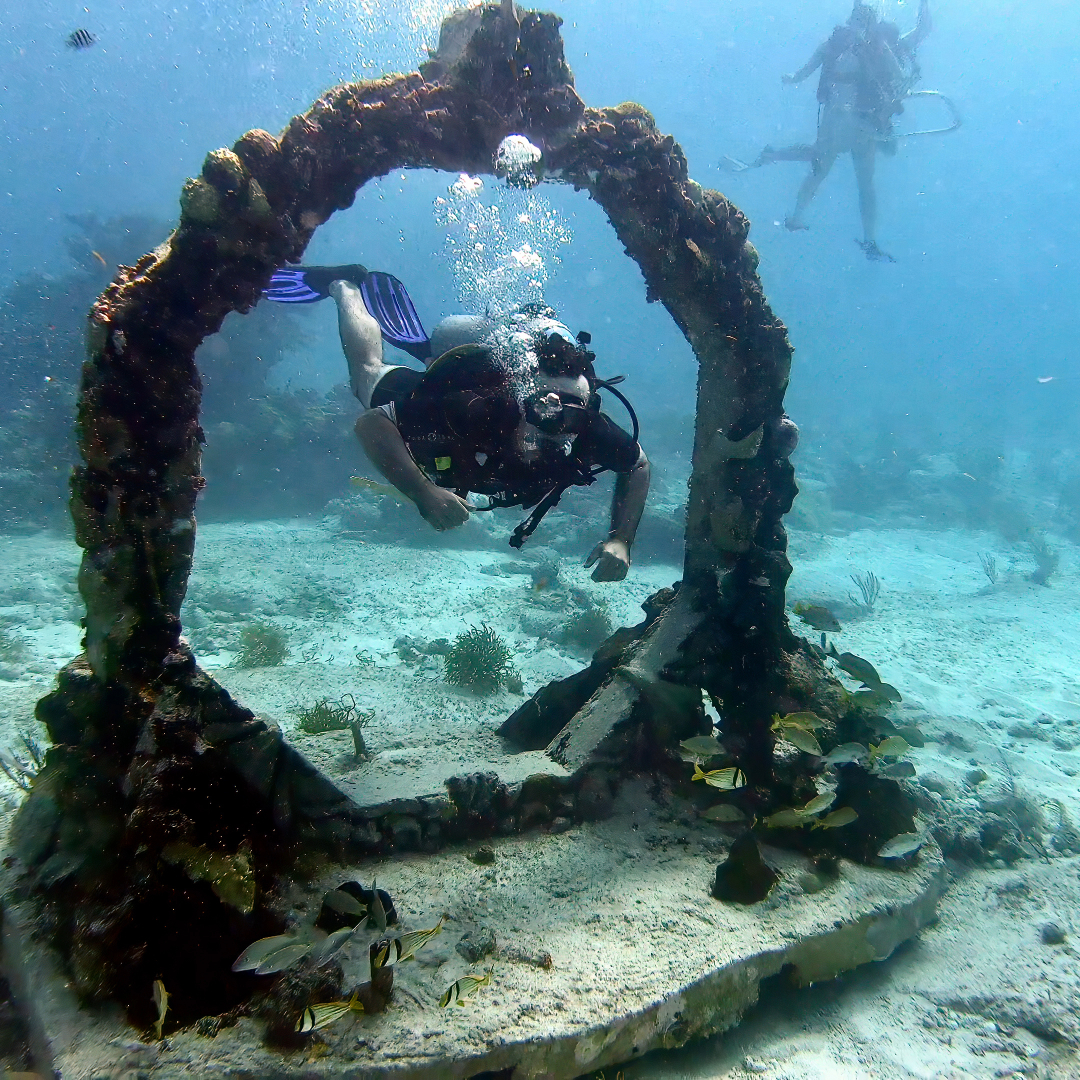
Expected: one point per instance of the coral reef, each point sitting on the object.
(42, 325)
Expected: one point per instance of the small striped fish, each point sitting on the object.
(80, 39)
(465, 987)
(315, 1017)
(399, 949)
(723, 779)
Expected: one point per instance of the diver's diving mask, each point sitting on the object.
(561, 412)
(556, 412)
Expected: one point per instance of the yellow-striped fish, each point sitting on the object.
(797, 816)
(818, 804)
(161, 1002)
(398, 950)
(315, 1017)
(721, 779)
(465, 987)
(808, 721)
(894, 746)
(798, 729)
(844, 816)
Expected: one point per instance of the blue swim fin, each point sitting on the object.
(309, 284)
(392, 308)
(385, 297)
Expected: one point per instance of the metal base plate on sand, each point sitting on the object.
(641, 957)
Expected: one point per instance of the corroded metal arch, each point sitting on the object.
(255, 207)
(148, 750)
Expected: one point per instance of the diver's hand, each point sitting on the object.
(442, 509)
(612, 558)
(788, 80)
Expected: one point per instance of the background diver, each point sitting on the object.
(867, 69)
(507, 408)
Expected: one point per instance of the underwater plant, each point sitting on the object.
(587, 630)
(989, 565)
(341, 715)
(262, 645)
(19, 770)
(870, 587)
(1046, 560)
(479, 660)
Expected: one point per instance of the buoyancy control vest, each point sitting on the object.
(462, 425)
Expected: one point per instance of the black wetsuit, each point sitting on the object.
(459, 421)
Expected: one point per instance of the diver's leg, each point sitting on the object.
(862, 157)
(361, 341)
(832, 121)
(819, 169)
(799, 152)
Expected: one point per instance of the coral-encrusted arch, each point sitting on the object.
(150, 751)
(255, 207)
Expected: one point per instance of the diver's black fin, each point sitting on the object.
(873, 252)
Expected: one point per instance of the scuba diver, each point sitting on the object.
(867, 69)
(508, 408)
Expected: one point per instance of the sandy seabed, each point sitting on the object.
(988, 672)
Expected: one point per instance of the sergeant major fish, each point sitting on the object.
(80, 39)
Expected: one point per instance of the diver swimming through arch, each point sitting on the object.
(507, 408)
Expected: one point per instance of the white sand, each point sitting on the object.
(970, 999)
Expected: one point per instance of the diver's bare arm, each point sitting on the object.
(628, 501)
(809, 67)
(383, 444)
(612, 556)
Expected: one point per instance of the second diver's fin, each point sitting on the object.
(386, 299)
(873, 252)
(730, 164)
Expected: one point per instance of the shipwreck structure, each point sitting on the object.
(152, 761)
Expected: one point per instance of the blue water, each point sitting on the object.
(982, 222)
